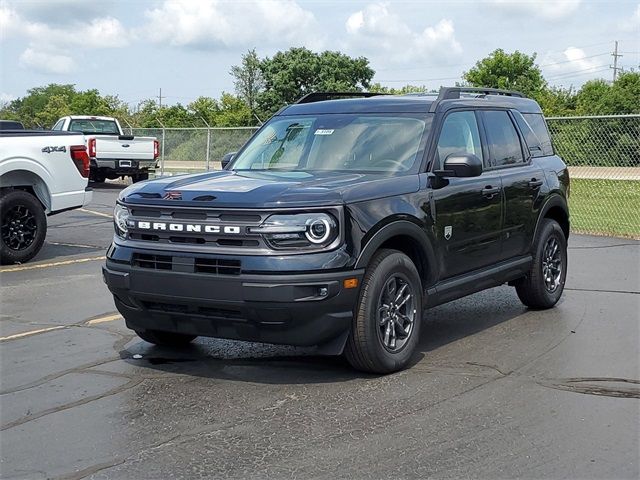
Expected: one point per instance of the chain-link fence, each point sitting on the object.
(603, 154)
(195, 149)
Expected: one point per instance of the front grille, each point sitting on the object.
(232, 228)
(154, 262)
(209, 266)
(217, 266)
(199, 310)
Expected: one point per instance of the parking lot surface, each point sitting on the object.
(496, 390)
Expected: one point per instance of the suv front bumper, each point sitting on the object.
(299, 309)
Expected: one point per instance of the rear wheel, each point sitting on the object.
(386, 325)
(23, 227)
(542, 287)
(139, 177)
(165, 339)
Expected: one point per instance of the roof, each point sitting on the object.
(411, 103)
(89, 117)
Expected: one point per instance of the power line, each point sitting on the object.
(582, 72)
(574, 60)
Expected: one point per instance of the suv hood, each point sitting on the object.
(268, 189)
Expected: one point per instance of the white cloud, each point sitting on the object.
(51, 46)
(379, 31)
(46, 62)
(573, 64)
(60, 12)
(632, 23)
(6, 98)
(210, 24)
(546, 9)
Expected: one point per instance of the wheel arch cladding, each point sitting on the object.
(29, 182)
(555, 209)
(407, 238)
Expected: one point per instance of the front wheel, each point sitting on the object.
(23, 227)
(386, 325)
(542, 287)
(165, 339)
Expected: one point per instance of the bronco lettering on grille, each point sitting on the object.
(188, 227)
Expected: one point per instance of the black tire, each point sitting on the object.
(165, 339)
(23, 226)
(542, 287)
(367, 348)
(99, 177)
(139, 177)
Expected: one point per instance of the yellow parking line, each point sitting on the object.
(106, 318)
(95, 213)
(31, 332)
(47, 265)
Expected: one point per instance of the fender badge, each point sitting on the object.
(448, 231)
(173, 196)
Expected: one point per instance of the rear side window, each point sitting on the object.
(539, 127)
(459, 135)
(58, 125)
(503, 139)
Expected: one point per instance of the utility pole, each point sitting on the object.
(615, 56)
(160, 96)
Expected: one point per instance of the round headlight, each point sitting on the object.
(318, 230)
(120, 219)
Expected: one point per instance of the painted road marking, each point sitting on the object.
(76, 245)
(95, 213)
(95, 321)
(106, 318)
(21, 268)
(31, 332)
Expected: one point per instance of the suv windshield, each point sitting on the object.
(96, 127)
(342, 142)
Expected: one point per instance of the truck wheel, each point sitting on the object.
(99, 177)
(386, 324)
(542, 287)
(165, 339)
(139, 177)
(23, 227)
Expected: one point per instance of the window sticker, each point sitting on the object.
(323, 131)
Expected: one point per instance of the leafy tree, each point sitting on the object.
(556, 101)
(204, 108)
(248, 79)
(56, 107)
(290, 75)
(512, 71)
(233, 112)
(377, 88)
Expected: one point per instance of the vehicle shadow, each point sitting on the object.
(276, 364)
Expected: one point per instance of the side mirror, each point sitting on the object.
(227, 159)
(461, 165)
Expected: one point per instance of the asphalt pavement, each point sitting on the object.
(495, 391)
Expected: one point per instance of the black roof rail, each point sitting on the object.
(321, 96)
(453, 93)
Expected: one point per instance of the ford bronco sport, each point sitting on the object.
(342, 219)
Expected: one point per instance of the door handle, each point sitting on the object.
(535, 183)
(490, 191)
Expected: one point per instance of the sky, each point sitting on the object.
(186, 47)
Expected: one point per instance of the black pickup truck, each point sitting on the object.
(342, 220)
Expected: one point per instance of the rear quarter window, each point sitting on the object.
(539, 126)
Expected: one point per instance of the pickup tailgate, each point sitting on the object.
(124, 148)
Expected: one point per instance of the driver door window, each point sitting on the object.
(459, 135)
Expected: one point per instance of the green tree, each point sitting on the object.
(204, 108)
(248, 79)
(511, 71)
(233, 112)
(290, 75)
(56, 107)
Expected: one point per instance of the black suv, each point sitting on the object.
(341, 220)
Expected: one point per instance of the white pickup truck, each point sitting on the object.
(112, 153)
(41, 173)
